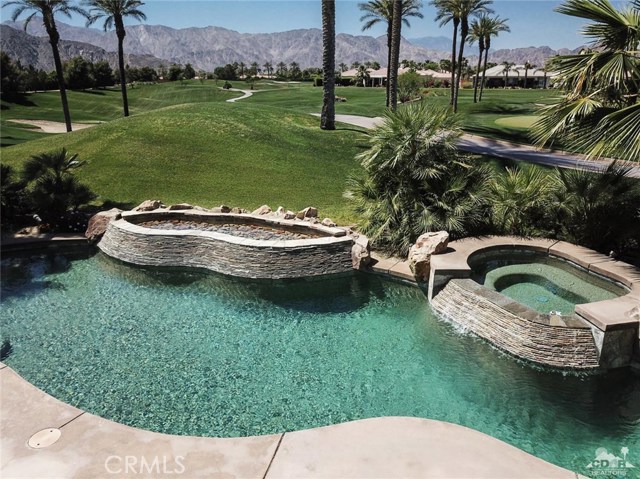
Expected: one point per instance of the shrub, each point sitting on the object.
(53, 188)
(414, 181)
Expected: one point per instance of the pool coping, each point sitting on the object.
(91, 446)
(454, 263)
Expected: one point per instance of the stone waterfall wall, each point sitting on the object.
(524, 335)
(228, 255)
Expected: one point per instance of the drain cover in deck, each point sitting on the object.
(44, 438)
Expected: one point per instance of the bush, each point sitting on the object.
(227, 85)
(415, 181)
(53, 188)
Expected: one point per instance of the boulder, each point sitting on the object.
(149, 205)
(329, 223)
(360, 252)
(221, 209)
(99, 222)
(308, 212)
(280, 211)
(420, 253)
(263, 210)
(289, 215)
(181, 206)
(237, 211)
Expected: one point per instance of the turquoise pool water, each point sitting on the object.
(192, 353)
(544, 284)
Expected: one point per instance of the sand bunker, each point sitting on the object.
(54, 126)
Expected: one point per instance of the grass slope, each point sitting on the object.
(212, 153)
(101, 105)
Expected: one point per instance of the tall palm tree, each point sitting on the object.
(377, 11)
(328, 115)
(269, 68)
(449, 12)
(48, 10)
(459, 12)
(506, 68)
(343, 67)
(528, 66)
(392, 71)
(599, 112)
(362, 75)
(493, 28)
(114, 13)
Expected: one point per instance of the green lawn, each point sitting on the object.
(213, 153)
(183, 142)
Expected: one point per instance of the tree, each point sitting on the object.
(269, 68)
(78, 74)
(327, 117)
(188, 73)
(493, 29)
(598, 112)
(48, 10)
(114, 12)
(458, 12)
(255, 69)
(482, 29)
(343, 67)
(377, 11)
(362, 75)
(294, 71)
(281, 70)
(528, 66)
(396, 36)
(103, 74)
(413, 180)
(506, 68)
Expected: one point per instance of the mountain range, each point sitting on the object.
(209, 47)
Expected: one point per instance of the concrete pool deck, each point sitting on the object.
(93, 447)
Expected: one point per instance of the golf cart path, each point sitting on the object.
(506, 149)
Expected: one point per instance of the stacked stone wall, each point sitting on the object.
(236, 257)
(463, 302)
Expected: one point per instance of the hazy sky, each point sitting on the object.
(533, 23)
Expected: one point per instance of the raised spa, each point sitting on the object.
(242, 245)
(546, 284)
(546, 301)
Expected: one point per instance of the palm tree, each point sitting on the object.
(528, 66)
(458, 12)
(269, 68)
(392, 71)
(482, 29)
(343, 67)
(362, 75)
(114, 13)
(55, 188)
(599, 112)
(506, 68)
(281, 69)
(413, 180)
(48, 10)
(328, 115)
(493, 29)
(377, 11)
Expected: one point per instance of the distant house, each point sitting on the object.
(379, 77)
(495, 77)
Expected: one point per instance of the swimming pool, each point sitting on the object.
(200, 354)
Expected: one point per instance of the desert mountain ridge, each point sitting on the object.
(208, 47)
